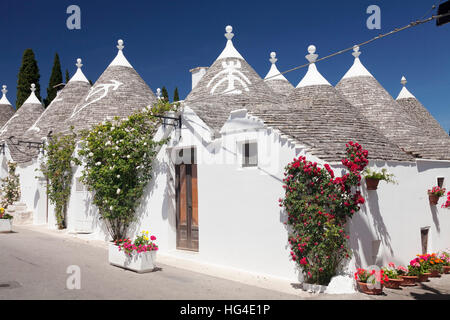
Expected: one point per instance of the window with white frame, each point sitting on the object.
(249, 154)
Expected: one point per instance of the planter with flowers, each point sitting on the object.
(419, 267)
(370, 282)
(138, 256)
(394, 281)
(436, 265)
(408, 280)
(5, 221)
(434, 194)
(445, 257)
(374, 177)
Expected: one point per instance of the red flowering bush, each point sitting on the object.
(447, 202)
(318, 205)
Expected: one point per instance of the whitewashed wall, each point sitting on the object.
(240, 223)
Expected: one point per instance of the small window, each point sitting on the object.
(424, 239)
(440, 182)
(250, 154)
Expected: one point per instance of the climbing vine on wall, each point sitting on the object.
(318, 206)
(118, 157)
(58, 169)
(10, 186)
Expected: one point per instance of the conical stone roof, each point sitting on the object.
(6, 109)
(229, 84)
(422, 118)
(13, 131)
(366, 94)
(275, 80)
(318, 117)
(61, 108)
(120, 91)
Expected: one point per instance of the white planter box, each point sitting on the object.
(5, 225)
(138, 262)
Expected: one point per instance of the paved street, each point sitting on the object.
(33, 266)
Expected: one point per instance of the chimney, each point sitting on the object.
(197, 75)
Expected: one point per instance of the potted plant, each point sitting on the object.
(5, 221)
(436, 265)
(419, 267)
(408, 279)
(370, 282)
(394, 281)
(374, 177)
(138, 256)
(434, 194)
(445, 257)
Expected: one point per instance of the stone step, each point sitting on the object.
(22, 218)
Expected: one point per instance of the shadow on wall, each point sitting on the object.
(363, 243)
(142, 211)
(434, 213)
(425, 165)
(287, 247)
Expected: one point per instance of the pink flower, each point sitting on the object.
(153, 238)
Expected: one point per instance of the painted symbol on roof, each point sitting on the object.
(100, 88)
(232, 75)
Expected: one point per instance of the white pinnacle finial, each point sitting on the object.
(356, 52)
(120, 45)
(273, 57)
(79, 64)
(312, 56)
(4, 91)
(229, 35)
(33, 88)
(158, 93)
(403, 81)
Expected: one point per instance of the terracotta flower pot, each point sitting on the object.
(435, 274)
(446, 269)
(433, 199)
(424, 277)
(372, 184)
(364, 288)
(409, 281)
(393, 283)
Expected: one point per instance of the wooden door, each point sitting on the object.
(187, 206)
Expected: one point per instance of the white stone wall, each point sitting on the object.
(240, 223)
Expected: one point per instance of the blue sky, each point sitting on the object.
(164, 39)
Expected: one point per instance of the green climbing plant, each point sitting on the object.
(118, 157)
(58, 169)
(10, 186)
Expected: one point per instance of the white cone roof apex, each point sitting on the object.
(404, 93)
(274, 73)
(120, 59)
(4, 100)
(79, 75)
(357, 69)
(313, 76)
(229, 51)
(32, 99)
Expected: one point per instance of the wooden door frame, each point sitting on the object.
(188, 172)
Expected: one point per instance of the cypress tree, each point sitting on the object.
(165, 94)
(67, 76)
(55, 79)
(28, 74)
(175, 95)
